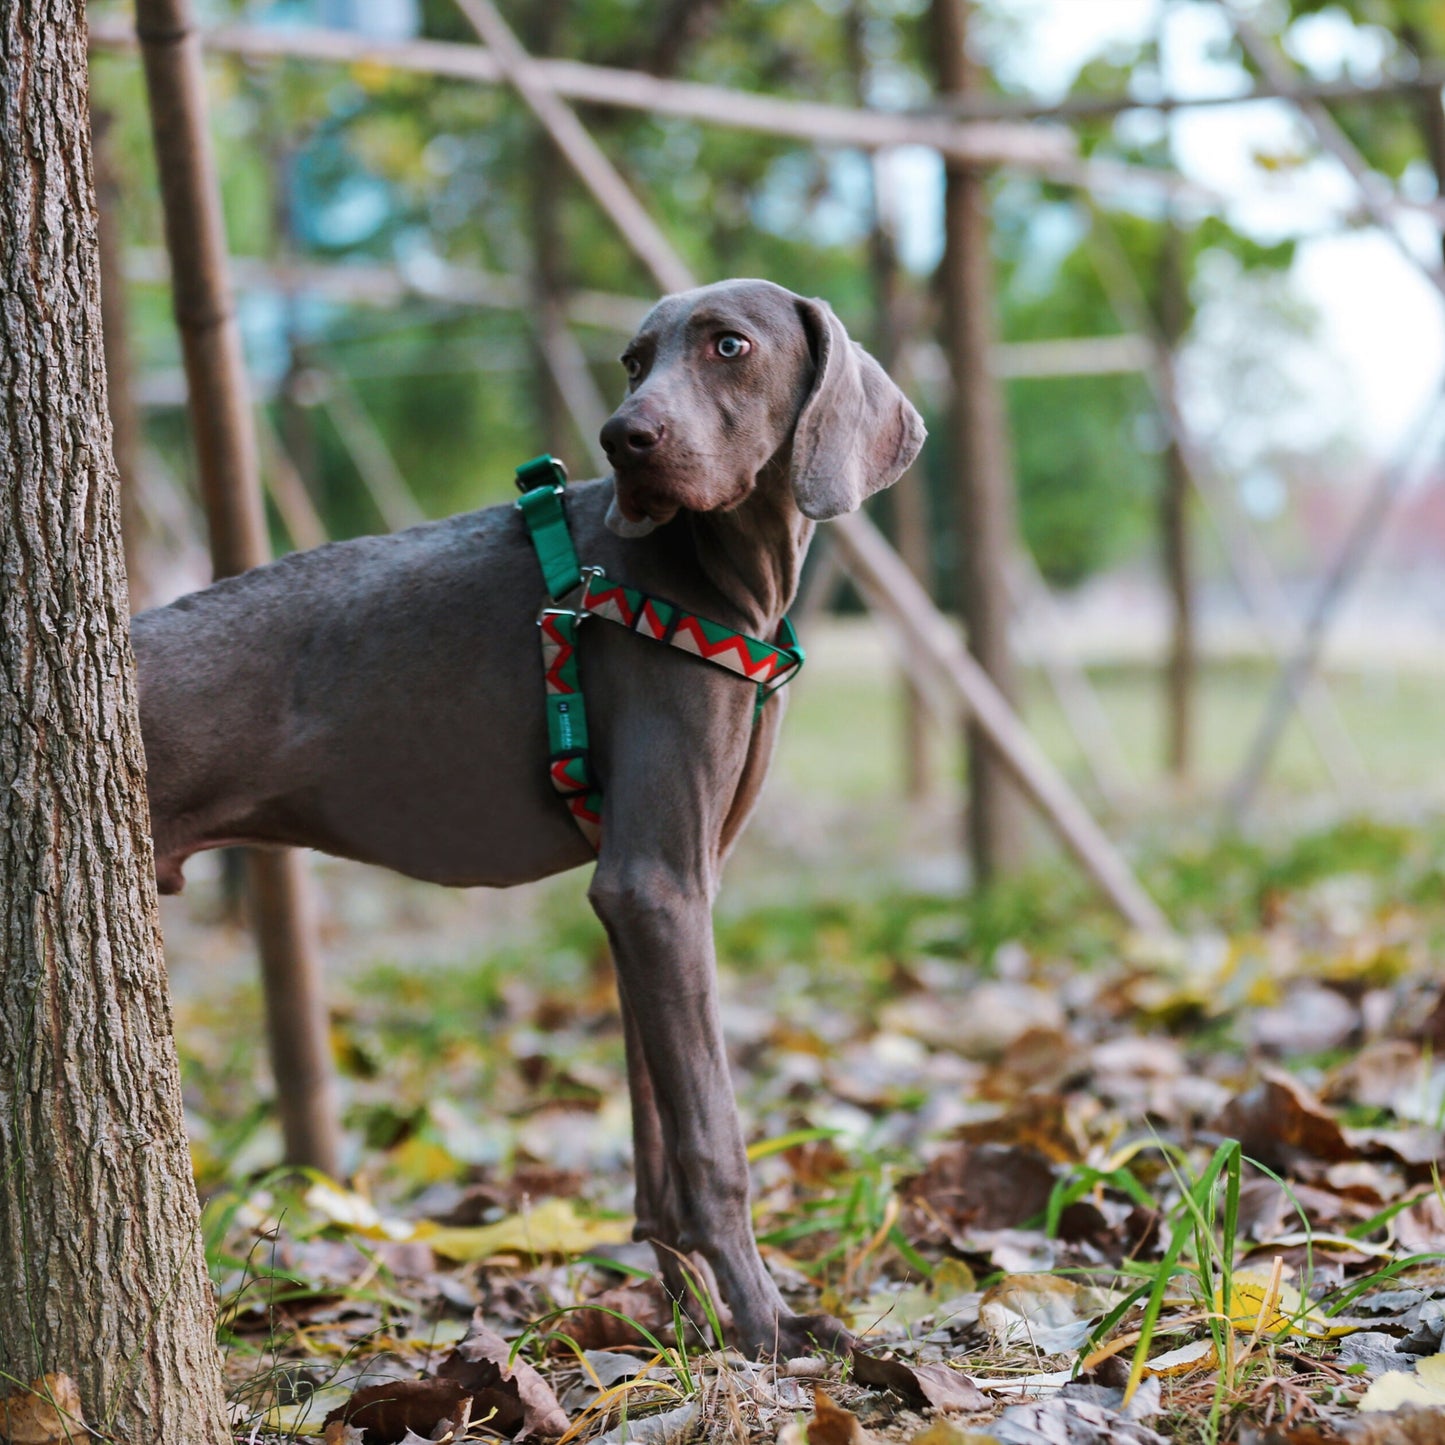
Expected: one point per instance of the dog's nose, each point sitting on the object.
(625, 437)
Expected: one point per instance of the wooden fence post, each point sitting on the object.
(1181, 672)
(225, 440)
(983, 508)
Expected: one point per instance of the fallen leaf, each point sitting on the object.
(1047, 1311)
(1184, 1360)
(1040, 1122)
(1260, 1303)
(945, 1432)
(1376, 1075)
(832, 1425)
(1078, 1415)
(1280, 1123)
(1420, 1229)
(975, 1187)
(936, 1385)
(553, 1227)
(1376, 1351)
(354, 1213)
(387, 1412)
(505, 1393)
(1395, 1389)
(44, 1412)
(668, 1428)
(595, 1325)
(338, 1432)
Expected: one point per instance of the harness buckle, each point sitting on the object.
(567, 605)
(540, 472)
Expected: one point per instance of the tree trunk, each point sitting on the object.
(1181, 672)
(125, 422)
(102, 1275)
(984, 511)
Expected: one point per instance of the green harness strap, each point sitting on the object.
(769, 666)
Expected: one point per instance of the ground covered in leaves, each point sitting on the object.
(1063, 1188)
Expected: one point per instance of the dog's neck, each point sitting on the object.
(754, 553)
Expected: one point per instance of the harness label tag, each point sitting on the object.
(564, 725)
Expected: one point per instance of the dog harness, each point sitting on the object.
(579, 592)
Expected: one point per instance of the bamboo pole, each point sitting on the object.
(226, 459)
(909, 497)
(287, 488)
(986, 534)
(1029, 147)
(1181, 672)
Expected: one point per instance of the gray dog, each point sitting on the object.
(382, 699)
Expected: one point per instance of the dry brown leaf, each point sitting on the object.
(338, 1432)
(386, 1412)
(1280, 1123)
(935, 1385)
(1375, 1075)
(1040, 1122)
(645, 1303)
(509, 1395)
(45, 1412)
(833, 1425)
(1420, 1229)
(972, 1187)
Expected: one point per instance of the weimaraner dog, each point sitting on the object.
(382, 699)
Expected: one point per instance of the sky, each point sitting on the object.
(1382, 323)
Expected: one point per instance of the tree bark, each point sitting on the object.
(102, 1274)
(1181, 671)
(984, 507)
(125, 422)
(225, 435)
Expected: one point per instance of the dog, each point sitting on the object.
(382, 699)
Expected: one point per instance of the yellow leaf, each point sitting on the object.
(952, 1278)
(553, 1227)
(1254, 1308)
(1395, 1389)
(422, 1161)
(354, 1212)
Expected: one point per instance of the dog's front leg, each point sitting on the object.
(658, 1211)
(660, 926)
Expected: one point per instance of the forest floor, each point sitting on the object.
(1006, 1144)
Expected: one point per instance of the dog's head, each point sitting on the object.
(726, 379)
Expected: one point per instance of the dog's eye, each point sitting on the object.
(730, 346)
(632, 366)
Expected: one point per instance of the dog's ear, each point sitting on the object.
(856, 433)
